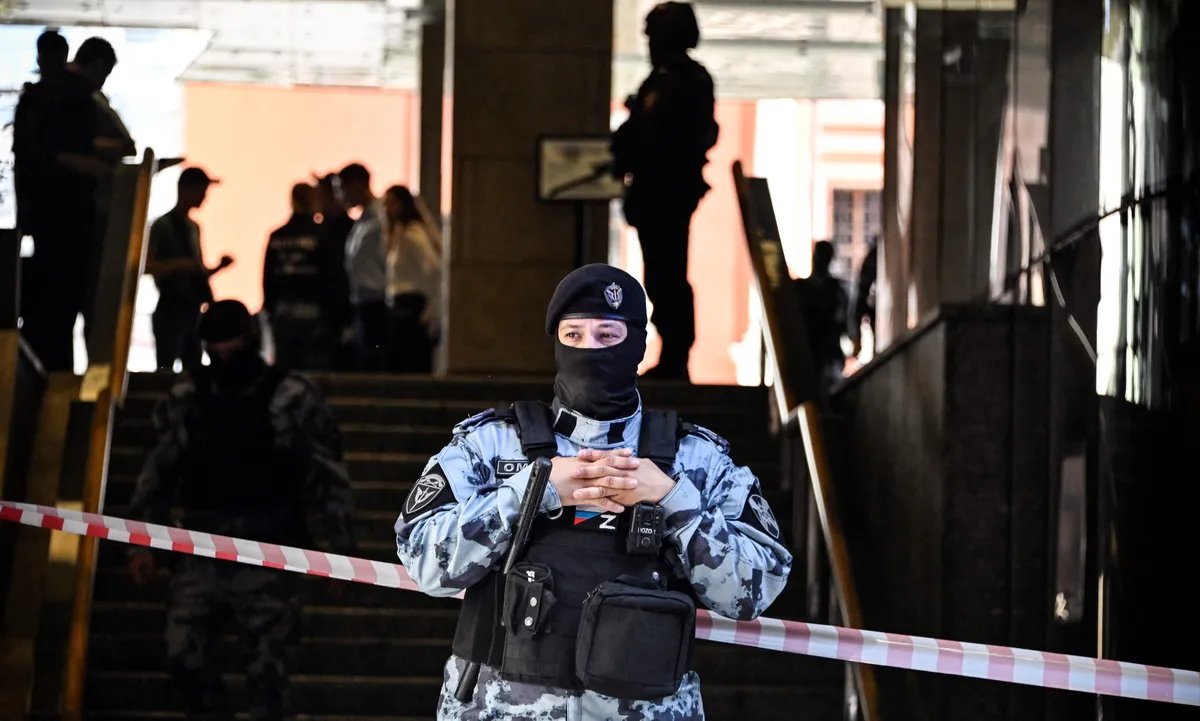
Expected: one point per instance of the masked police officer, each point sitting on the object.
(242, 450)
(644, 519)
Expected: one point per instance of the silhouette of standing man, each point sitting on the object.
(660, 151)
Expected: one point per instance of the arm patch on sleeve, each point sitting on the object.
(757, 514)
(431, 490)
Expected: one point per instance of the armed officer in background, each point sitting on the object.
(242, 450)
(660, 152)
(644, 516)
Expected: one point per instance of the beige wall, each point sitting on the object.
(260, 140)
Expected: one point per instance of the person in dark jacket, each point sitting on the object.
(243, 449)
(55, 126)
(826, 306)
(293, 287)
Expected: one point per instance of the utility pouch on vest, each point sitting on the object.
(533, 653)
(634, 642)
(528, 598)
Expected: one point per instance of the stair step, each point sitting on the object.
(318, 620)
(419, 656)
(333, 694)
(367, 494)
(363, 656)
(772, 703)
(126, 715)
(400, 467)
(127, 461)
(444, 414)
(113, 583)
(356, 437)
(339, 694)
(490, 389)
(138, 433)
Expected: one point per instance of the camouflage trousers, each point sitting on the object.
(262, 606)
(496, 699)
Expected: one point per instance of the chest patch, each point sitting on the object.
(595, 520)
(508, 469)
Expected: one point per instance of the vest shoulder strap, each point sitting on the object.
(536, 429)
(659, 439)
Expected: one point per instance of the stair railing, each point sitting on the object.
(104, 383)
(797, 402)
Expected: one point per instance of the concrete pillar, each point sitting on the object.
(962, 91)
(520, 69)
(894, 254)
(432, 89)
(928, 153)
(974, 95)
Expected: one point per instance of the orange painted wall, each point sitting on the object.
(718, 263)
(262, 140)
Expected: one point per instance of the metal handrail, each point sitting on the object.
(104, 384)
(796, 395)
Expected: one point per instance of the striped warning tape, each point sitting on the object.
(916, 653)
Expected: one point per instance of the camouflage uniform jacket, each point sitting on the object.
(720, 533)
(302, 426)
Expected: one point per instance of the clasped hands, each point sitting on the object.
(612, 480)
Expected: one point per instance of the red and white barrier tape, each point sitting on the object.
(916, 653)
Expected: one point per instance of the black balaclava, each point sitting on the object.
(600, 383)
(226, 320)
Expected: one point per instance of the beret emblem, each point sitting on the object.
(614, 295)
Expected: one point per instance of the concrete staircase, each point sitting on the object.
(377, 654)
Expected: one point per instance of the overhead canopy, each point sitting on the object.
(754, 48)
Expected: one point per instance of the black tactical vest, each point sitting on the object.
(580, 555)
(237, 478)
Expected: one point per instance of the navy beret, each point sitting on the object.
(597, 290)
(225, 320)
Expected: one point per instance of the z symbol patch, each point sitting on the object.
(762, 511)
(424, 491)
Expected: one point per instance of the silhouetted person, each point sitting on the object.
(334, 229)
(95, 61)
(825, 303)
(34, 163)
(661, 151)
(292, 292)
(864, 297)
(53, 136)
(175, 260)
(366, 265)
